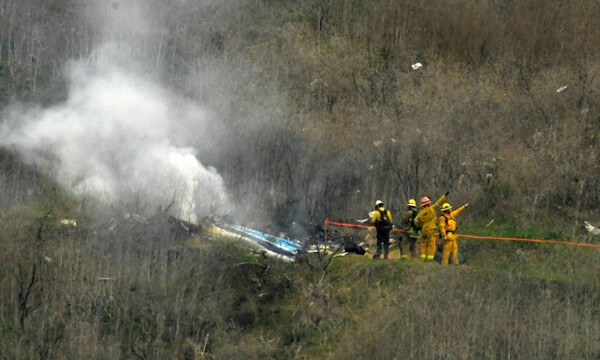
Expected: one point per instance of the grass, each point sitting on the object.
(6, 85)
(215, 300)
(172, 298)
(22, 87)
(169, 300)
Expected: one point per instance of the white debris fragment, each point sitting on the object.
(584, 110)
(591, 228)
(316, 81)
(393, 140)
(69, 222)
(378, 143)
(415, 66)
(362, 221)
(561, 89)
(47, 259)
(488, 175)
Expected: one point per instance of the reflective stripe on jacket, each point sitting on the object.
(408, 222)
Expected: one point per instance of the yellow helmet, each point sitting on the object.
(446, 207)
(412, 203)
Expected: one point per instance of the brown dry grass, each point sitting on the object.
(330, 78)
(167, 300)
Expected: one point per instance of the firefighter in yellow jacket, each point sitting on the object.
(426, 219)
(382, 219)
(448, 229)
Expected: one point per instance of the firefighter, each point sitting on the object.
(382, 219)
(426, 220)
(448, 229)
(411, 231)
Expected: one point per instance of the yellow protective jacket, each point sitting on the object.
(377, 216)
(448, 221)
(428, 215)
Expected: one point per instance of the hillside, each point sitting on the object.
(119, 116)
(318, 99)
(136, 289)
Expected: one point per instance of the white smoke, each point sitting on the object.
(114, 139)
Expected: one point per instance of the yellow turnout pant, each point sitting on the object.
(450, 246)
(427, 245)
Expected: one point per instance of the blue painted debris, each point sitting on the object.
(271, 245)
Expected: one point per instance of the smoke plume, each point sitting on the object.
(117, 139)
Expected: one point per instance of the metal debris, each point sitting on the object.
(415, 66)
(591, 228)
(68, 222)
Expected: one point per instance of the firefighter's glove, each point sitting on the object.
(447, 193)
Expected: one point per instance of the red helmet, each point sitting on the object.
(425, 201)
